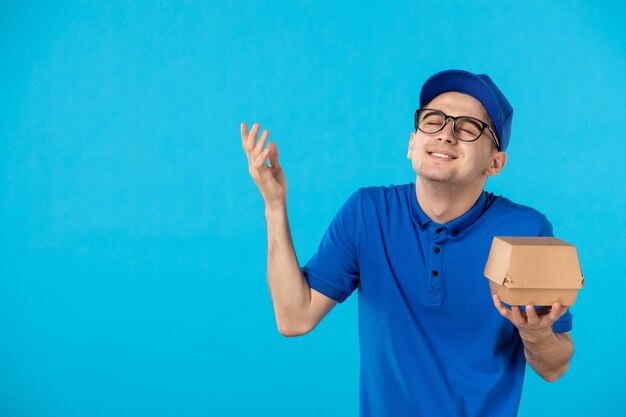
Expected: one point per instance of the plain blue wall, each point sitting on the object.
(133, 245)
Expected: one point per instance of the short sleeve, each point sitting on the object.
(564, 323)
(545, 230)
(334, 269)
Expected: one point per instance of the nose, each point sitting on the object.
(446, 134)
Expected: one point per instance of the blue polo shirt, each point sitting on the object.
(431, 341)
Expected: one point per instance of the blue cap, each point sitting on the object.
(482, 89)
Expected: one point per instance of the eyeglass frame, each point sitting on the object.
(454, 118)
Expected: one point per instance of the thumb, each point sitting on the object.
(273, 155)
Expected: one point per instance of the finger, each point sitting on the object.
(273, 155)
(244, 134)
(496, 301)
(518, 318)
(252, 137)
(557, 311)
(258, 148)
(505, 312)
(531, 314)
(259, 163)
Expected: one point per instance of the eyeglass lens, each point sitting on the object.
(465, 128)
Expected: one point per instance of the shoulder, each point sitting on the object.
(380, 193)
(383, 202)
(379, 199)
(502, 209)
(503, 205)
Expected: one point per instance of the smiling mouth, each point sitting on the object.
(440, 155)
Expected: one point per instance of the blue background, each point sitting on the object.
(133, 242)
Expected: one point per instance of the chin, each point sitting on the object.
(435, 175)
(436, 179)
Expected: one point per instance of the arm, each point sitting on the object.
(298, 309)
(548, 353)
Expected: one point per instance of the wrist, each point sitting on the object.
(274, 208)
(538, 336)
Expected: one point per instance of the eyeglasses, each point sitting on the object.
(464, 128)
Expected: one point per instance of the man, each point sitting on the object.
(432, 343)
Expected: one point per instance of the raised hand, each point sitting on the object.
(270, 179)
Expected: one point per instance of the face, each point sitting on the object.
(442, 158)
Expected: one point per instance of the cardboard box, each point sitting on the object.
(534, 270)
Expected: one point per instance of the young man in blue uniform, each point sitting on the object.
(433, 341)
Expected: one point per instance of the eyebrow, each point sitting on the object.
(484, 118)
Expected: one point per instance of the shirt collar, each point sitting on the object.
(454, 226)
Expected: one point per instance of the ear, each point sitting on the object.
(411, 140)
(498, 161)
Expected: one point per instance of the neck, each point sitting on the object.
(443, 202)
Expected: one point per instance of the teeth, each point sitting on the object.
(441, 155)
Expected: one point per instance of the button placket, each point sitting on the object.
(435, 280)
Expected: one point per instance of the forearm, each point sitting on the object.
(548, 353)
(289, 289)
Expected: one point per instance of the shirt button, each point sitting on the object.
(435, 273)
(437, 250)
